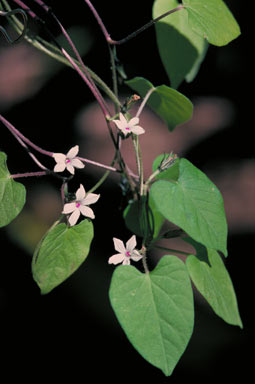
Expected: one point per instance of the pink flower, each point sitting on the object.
(80, 205)
(130, 126)
(68, 161)
(125, 253)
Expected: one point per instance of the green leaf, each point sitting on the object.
(155, 310)
(194, 204)
(12, 194)
(136, 218)
(213, 20)
(60, 253)
(181, 50)
(171, 174)
(173, 107)
(212, 280)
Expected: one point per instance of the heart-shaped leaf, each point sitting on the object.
(213, 20)
(12, 194)
(60, 253)
(194, 204)
(173, 107)
(181, 50)
(212, 280)
(155, 310)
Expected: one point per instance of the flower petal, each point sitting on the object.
(59, 167)
(90, 198)
(131, 244)
(126, 261)
(119, 124)
(86, 211)
(119, 245)
(80, 193)
(137, 130)
(116, 259)
(59, 157)
(74, 217)
(122, 119)
(73, 152)
(69, 207)
(136, 258)
(133, 121)
(77, 163)
(70, 168)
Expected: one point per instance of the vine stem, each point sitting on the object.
(144, 259)
(146, 98)
(55, 52)
(18, 134)
(139, 162)
(84, 74)
(137, 146)
(24, 140)
(133, 34)
(28, 174)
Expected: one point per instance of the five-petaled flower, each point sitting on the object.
(68, 161)
(130, 126)
(80, 205)
(125, 253)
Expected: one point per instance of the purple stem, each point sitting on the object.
(132, 35)
(19, 135)
(87, 78)
(97, 164)
(28, 174)
(25, 7)
(43, 5)
(100, 22)
(22, 140)
(76, 67)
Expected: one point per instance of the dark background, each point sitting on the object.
(72, 332)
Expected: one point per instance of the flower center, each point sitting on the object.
(78, 205)
(127, 129)
(68, 161)
(128, 254)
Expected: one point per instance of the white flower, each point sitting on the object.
(125, 253)
(80, 205)
(68, 161)
(129, 126)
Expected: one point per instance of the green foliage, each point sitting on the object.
(60, 253)
(212, 20)
(142, 218)
(12, 194)
(182, 37)
(173, 107)
(171, 173)
(194, 204)
(155, 310)
(181, 50)
(211, 278)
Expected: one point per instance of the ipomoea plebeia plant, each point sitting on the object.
(154, 305)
